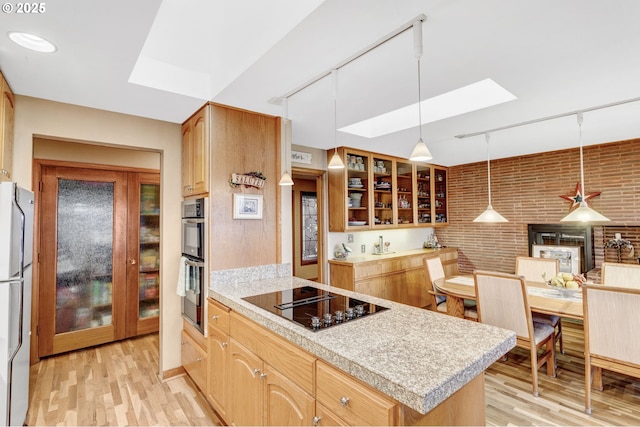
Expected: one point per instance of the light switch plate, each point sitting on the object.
(349, 238)
(363, 248)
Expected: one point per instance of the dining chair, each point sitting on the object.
(540, 270)
(611, 334)
(435, 271)
(502, 301)
(621, 275)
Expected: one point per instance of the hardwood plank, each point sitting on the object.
(78, 389)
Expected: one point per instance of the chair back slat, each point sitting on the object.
(533, 269)
(621, 275)
(435, 271)
(501, 301)
(612, 322)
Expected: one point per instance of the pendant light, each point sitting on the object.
(489, 215)
(420, 152)
(336, 161)
(286, 180)
(583, 213)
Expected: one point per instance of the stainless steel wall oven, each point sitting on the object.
(194, 250)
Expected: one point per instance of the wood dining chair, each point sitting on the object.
(502, 301)
(621, 275)
(434, 270)
(611, 334)
(540, 270)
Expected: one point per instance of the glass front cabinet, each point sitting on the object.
(376, 191)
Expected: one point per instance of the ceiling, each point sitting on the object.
(164, 59)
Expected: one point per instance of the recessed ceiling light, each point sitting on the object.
(475, 96)
(32, 42)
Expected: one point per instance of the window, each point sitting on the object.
(309, 227)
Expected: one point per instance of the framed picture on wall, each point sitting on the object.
(247, 206)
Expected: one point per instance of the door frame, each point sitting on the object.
(38, 165)
(319, 176)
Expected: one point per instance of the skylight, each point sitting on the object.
(482, 94)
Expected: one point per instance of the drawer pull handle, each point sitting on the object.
(316, 420)
(344, 401)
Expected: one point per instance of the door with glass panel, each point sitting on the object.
(99, 239)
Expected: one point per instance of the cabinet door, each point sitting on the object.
(375, 287)
(143, 254)
(441, 208)
(7, 112)
(246, 387)
(325, 417)
(200, 160)
(194, 361)
(218, 360)
(187, 156)
(286, 404)
(383, 199)
(404, 193)
(423, 193)
(359, 188)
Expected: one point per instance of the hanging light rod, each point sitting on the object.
(543, 119)
(383, 40)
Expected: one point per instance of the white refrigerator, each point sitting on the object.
(16, 253)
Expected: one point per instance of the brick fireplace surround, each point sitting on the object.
(527, 189)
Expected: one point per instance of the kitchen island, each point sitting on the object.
(423, 363)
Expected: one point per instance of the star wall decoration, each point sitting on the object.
(578, 197)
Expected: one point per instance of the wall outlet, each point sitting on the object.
(349, 238)
(363, 248)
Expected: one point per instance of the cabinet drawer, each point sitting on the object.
(351, 400)
(218, 316)
(194, 361)
(367, 270)
(325, 417)
(292, 361)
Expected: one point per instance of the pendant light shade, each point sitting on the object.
(335, 162)
(583, 213)
(489, 215)
(286, 180)
(420, 152)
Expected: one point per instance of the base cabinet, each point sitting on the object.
(255, 377)
(194, 361)
(401, 279)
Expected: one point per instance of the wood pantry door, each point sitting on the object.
(82, 258)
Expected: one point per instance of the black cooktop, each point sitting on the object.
(313, 308)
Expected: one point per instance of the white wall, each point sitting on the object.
(37, 117)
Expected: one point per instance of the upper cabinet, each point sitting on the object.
(375, 191)
(195, 153)
(7, 112)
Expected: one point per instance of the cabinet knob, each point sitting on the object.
(256, 371)
(198, 359)
(182, 343)
(263, 376)
(344, 400)
(5, 173)
(316, 420)
(224, 344)
(132, 261)
(214, 317)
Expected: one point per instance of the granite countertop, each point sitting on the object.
(353, 259)
(415, 356)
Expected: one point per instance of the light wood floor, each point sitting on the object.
(116, 384)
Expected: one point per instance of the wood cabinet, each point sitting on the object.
(218, 357)
(351, 400)
(7, 114)
(260, 393)
(375, 191)
(196, 153)
(399, 277)
(194, 359)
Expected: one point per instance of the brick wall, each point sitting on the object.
(526, 190)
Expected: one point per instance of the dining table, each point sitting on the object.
(542, 298)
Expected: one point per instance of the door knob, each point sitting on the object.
(132, 261)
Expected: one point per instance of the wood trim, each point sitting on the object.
(38, 163)
(172, 373)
